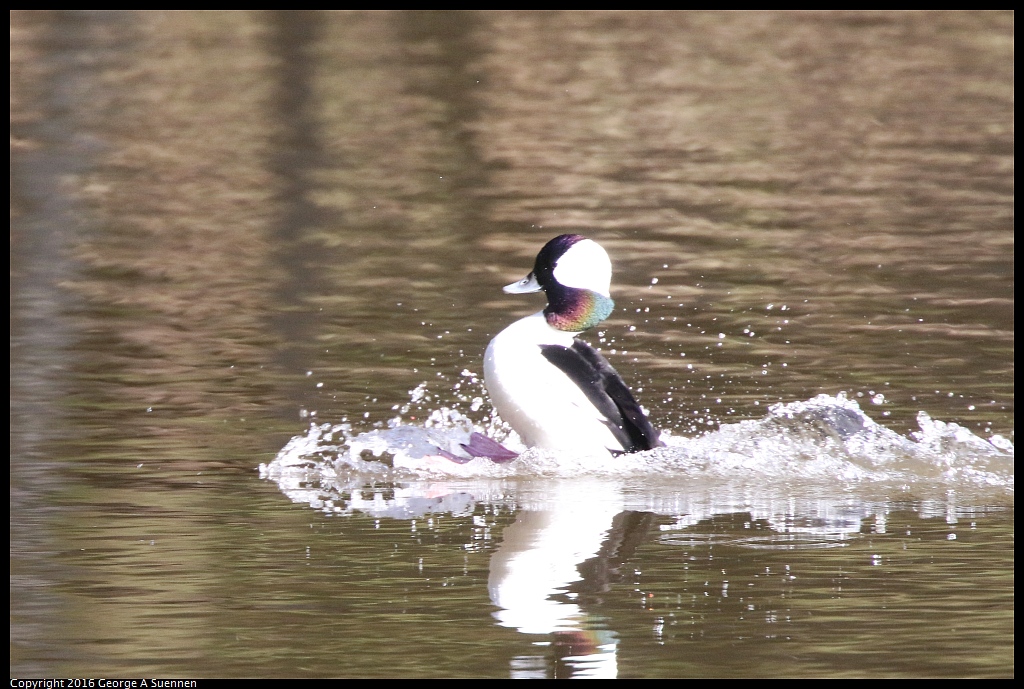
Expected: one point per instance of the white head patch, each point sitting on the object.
(585, 266)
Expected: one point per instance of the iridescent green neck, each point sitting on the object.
(575, 310)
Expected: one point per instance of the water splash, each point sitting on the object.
(826, 440)
(810, 474)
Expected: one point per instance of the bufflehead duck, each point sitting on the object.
(555, 390)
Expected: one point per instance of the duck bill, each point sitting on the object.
(525, 286)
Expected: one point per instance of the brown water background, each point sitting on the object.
(223, 223)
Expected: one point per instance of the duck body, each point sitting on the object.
(555, 390)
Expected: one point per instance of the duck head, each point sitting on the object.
(575, 274)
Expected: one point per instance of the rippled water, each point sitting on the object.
(256, 258)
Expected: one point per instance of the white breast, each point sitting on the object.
(545, 407)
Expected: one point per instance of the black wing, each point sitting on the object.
(605, 389)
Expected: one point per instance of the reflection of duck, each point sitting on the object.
(538, 560)
(553, 566)
(556, 391)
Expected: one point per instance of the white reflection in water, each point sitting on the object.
(808, 475)
(539, 559)
(539, 554)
